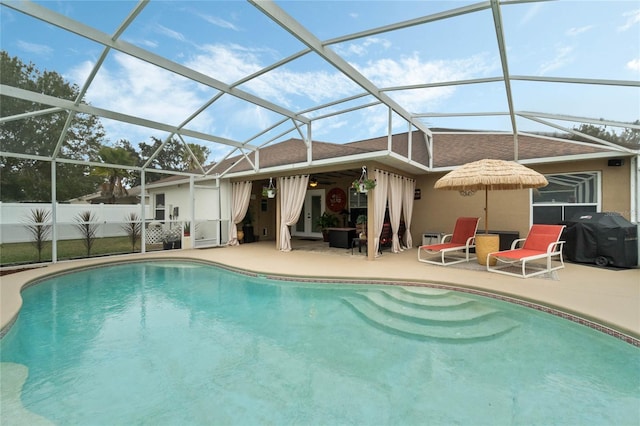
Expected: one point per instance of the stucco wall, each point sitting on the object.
(437, 210)
(615, 183)
(206, 201)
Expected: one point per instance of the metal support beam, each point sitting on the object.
(143, 212)
(502, 48)
(54, 214)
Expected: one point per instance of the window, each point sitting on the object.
(566, 195)
(159, 207)
(357, 199)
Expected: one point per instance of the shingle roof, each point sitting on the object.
(461, 148)
(450, 149)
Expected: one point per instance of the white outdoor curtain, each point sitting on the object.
(395, 209)
(409, 188)
(240, 196)
(293, 190)
(380, 200)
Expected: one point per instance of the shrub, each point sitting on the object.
(133, 228)
(85, 223)
(39, 228)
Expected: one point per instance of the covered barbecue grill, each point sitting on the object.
(606, 239)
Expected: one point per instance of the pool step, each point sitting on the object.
(425, 314)
(427, 292)
(443, 301)
(461, 322)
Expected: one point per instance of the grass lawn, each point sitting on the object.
(25, 253)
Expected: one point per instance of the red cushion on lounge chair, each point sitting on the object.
(540, 236)
(518, 254)
(465, 227)
(439, 247)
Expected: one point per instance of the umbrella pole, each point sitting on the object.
(486, 211)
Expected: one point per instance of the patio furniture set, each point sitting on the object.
(541, 244)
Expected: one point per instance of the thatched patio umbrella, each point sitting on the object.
(489, 175)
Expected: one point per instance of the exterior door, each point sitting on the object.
(311, 210)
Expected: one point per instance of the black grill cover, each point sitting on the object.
(602, 238)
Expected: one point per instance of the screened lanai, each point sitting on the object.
(237, 77)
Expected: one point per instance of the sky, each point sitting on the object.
(230, 40)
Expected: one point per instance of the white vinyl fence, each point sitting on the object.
(16, 217)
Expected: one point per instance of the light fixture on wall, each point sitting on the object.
(313, 182)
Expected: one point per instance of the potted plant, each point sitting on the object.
(187, 229)
(363, 185)
(324, 222)
(171, 240)
(269, 192)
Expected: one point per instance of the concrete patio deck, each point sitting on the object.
(608, 297)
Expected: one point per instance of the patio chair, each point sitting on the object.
(461, 241)
(543, 242)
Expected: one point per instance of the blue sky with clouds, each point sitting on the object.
(229, 40)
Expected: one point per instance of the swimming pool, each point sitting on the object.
(189, 343)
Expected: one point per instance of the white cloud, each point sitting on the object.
(230, 63)
(361, 48)
(574, 31)
(634, 65)
(136, 88)
(532, 12)
(226, 63)
(318, 86)
(632, 18)
(169, 32)
(133, 87)
(413, 70)
(562, 58)
(219, 22)
(39, 49)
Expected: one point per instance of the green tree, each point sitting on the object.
(116, 180)
(201, 153)
(629, 138)
(28, 179)
(134, 175)
(173, 156)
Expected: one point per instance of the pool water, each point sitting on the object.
(187, 343)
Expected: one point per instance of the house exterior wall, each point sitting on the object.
(437, 210)
(211, 204)
(207, 202)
